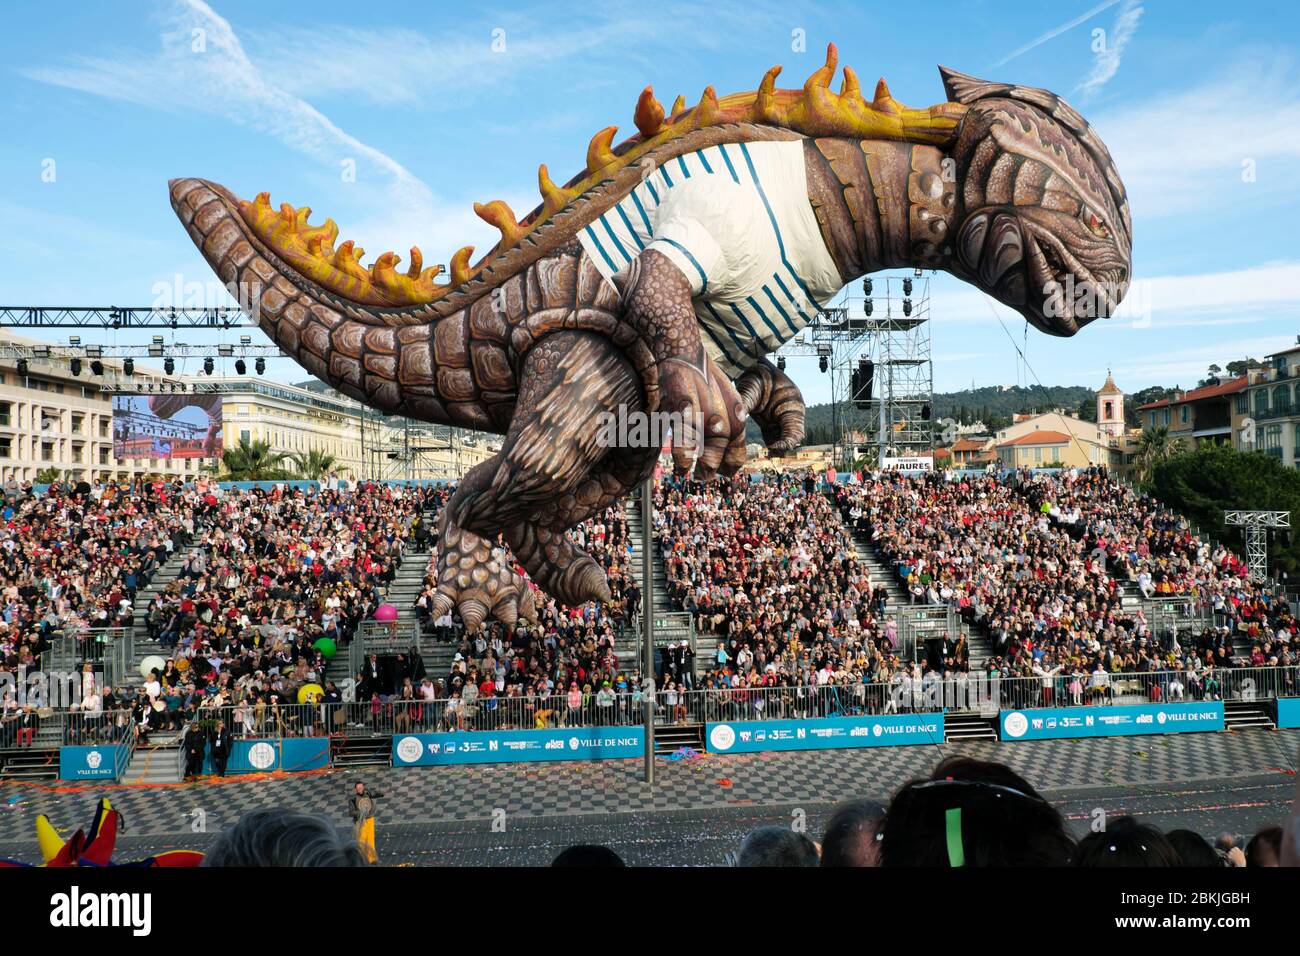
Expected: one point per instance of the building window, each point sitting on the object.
(243, 435)
(1261, 402)
(6, 446)
(103, 428)
(103, 456)
(77, 422)
(1182, 414)
(5, 410)
(1273, 439)
(1243, 403)
(1110, 410)
(1282, 399)
(77, 451)
(47, 451)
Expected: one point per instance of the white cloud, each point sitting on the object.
(221, 79)
(1106, 61)
(1056, 31)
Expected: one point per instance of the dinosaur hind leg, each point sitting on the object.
(554, 469)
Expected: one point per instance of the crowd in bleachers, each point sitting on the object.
(563, 669)
(772, 580)
(1039, 561)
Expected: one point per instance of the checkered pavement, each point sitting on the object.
(426, 801)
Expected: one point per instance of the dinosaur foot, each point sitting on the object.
(476, 579)
(560, 568)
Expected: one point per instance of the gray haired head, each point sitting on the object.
(283, 838)
(777, 846)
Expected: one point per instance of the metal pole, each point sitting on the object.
(648, 625)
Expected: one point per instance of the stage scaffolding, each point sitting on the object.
(879, 330)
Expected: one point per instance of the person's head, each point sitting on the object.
(973, 813)
(777, 846)
(850, 838)
(1193, 849)
(1126, 842)
(588, 855)
(359, 787)
(1265, 847)
(283, 838)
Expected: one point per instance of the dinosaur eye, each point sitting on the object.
(1097, 225)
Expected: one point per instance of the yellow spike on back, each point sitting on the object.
(553, 197)
(460, 271)
(708, 111)
(649, 114)
(498, 214)
(814, 110)
(599, 155)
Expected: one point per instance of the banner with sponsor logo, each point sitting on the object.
(89, 763)
(505, 746)
(289, 754)
(823, 733)
(1058, 722)
(1288, 711)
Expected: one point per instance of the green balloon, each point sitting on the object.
(327, 647)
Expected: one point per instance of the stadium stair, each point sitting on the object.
(156, 762)
(1248, 714)
(352, 752)
(881, 576)
(628, 643)
(965, 727)
(35, 763)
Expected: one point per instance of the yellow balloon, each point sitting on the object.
(310, 693)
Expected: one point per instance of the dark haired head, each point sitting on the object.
(1265, 847)
(777, 846)
(850, 835)
(973, 813)
(283, 838)
(1126, 842)
(1193, 849)
(588, 855)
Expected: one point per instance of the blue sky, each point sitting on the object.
(440, 105)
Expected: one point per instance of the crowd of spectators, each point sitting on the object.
(562, 670)
(772, 579)
(1038, 562)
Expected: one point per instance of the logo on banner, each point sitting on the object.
(261, 755)
(722, 737)
(1016, 724)
(1161, 717)
(94, 759)
(409, 749)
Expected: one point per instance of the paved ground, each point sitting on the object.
(698, 811)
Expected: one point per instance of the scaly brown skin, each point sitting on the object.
(1021, 201)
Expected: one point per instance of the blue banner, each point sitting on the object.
(89, 763)
(1051, 723)
(824, 733)
(289, 754)
(506, 746)
(1288, 711)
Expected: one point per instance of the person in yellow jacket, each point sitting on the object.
(362, 805)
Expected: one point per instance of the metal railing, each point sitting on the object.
(975, 693)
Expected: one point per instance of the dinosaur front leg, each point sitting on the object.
(547, 474)
(776, 403)
(709, 428)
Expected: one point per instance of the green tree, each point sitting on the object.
(47, 476)
(254, 461)
(314, 465)
(1204, 483)
(1155, 448)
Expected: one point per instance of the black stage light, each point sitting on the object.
(128, 366)
(75, 366)
(169, 365)
(240, 367)
(97, 367)
(208, 365)
(260, 366)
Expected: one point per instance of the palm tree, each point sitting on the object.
(1156, 447)
(314, 465)
(254, 461)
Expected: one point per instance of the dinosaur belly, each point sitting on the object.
(735, 218)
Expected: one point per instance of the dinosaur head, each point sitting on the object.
(1045, 225)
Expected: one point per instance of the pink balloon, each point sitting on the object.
(386, 612)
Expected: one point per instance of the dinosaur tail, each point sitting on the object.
(393, 369)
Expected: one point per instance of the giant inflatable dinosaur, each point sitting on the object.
(659, 278)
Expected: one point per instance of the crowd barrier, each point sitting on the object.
(766, 718)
